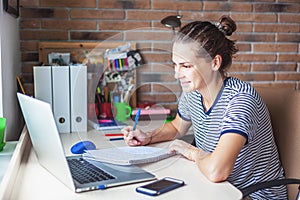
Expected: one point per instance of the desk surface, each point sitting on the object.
(34, 182)
(5, 157)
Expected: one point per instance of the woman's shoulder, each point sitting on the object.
(238, 85)
(235, 86)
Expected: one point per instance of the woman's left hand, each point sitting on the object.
(185, 149)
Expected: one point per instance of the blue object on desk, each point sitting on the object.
(136, 120)
(116, 138)
(81, 146)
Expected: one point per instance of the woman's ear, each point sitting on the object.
(216, 62)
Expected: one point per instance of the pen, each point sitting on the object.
(113, 134)
(136, 120)
(99, 96)
(117, 138)
(106, 94)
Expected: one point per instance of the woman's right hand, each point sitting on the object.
(135, 137)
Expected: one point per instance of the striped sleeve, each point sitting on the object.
(183, 108)
(241, 116)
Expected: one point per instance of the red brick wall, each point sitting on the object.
(267, 36)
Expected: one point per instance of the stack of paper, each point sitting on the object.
(128, 155)
(152, 113)
(106, 124)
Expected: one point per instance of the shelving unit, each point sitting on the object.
(92, 54)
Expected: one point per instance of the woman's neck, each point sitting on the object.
(210, 92)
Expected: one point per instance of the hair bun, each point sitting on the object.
(227, 25)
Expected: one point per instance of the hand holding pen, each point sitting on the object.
(134, 136)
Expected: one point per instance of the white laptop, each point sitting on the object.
(71, 170)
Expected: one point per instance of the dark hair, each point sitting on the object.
(211, 38)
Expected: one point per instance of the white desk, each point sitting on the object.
(34, 182)
(5, 157)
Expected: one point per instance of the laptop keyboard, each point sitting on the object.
(84, 172)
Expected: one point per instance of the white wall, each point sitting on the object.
(10, 68)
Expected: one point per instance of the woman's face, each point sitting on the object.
(193, 72)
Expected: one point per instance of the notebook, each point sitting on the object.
(71, 170)
(106, 124)
(128, 155)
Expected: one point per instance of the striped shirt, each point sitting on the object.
(238, 109)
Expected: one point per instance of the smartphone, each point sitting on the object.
(160, 186)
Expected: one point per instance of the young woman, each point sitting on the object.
(232, 128)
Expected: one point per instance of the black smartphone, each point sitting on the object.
(160, 186)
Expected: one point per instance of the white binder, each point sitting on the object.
(61, 97)
(78, 98)
(43, 83)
